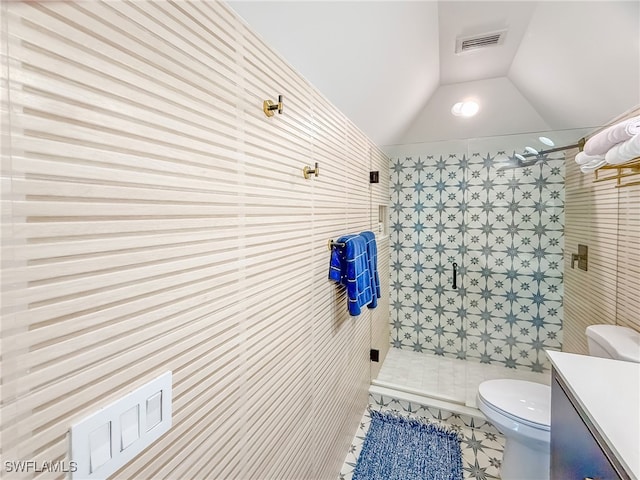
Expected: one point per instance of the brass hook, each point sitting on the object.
(268, 107)
(308, 171)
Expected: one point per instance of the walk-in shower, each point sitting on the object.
(476, 240)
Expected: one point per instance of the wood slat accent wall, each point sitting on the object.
(154, 219)
(607, 220)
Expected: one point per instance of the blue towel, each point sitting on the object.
(338, 267)
(350, 267)
(372, 254)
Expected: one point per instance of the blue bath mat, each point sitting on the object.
(399, 448)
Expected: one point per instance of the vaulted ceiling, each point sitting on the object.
(391, 66)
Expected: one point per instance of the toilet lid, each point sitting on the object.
(526, 401)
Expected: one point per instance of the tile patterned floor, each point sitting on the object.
(447, 379)
(482, 444)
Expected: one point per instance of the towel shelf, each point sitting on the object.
(619, 173)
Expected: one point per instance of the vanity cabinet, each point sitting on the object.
(577, 450)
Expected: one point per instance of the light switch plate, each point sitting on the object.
(105, 441)
(129, 426)
(100, 446)
(154, 410)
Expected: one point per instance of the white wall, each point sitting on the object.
(376, 61)
(154, 219)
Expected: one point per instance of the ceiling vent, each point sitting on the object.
(485, 40)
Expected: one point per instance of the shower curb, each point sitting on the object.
(438, 410)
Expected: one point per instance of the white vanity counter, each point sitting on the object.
(608, 393)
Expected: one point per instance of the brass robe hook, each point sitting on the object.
(269, 107)
(308, 171)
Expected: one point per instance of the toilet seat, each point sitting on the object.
(524, 402)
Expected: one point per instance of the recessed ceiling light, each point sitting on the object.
(465, 109)
(547, 141)
(531, 150)
(520, 157)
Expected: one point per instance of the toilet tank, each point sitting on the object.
(613, 341)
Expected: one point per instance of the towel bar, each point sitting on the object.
(331, 244)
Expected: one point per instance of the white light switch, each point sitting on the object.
(100, 446)
(154, 410)
(115, 434)
(129, 427)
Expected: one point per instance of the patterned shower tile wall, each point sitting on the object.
(504, 229)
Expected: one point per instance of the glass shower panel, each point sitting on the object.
(500, 219)
(515, 243)
(428, 203)
(445, 261)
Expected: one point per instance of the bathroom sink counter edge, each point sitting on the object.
(608, 393)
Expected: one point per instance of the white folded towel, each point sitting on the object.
(582, 158)
(602, 142)
(624, 152)
(593, 165)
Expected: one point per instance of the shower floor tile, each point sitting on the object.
(444, 378)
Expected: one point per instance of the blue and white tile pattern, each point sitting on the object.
(482, 445)
(504, 229)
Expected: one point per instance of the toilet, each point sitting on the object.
(521, 410)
